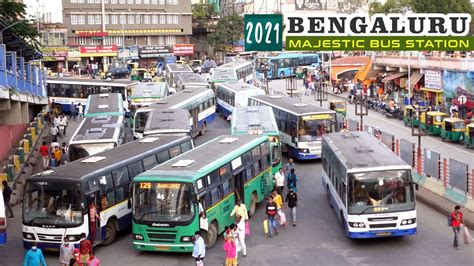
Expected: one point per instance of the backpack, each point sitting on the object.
(450, 220)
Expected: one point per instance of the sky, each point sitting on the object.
(52, 9)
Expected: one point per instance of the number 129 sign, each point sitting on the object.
(263, 32)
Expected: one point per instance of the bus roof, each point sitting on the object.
(239, 86)
(97, 128)
(359, 149)
(179, 68)
(149, 90)
(289, 55)
(91, 82)
(123, 154)
(234, 64)
(178, 98)
(191, 78)
(168, 119)
(204, 158)
(104, 104)
(292, 105)
(246, 118)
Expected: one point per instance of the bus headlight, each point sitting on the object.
(186, 239)
(137, 237)
(304, 150)
(73, 238)
(28, 236)
(357, 225)
(409, 221)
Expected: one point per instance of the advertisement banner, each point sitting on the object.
(134, 52)
(459, 83)
(183, 49)
(124, 52)
(73, 54)
(433, 79)
(54, 53)
(154, 51)
(110, 50)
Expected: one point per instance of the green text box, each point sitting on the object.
(380, 43)
(263, 32)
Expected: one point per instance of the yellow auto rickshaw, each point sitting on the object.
(409, 116)
(432, 122)
(340, 106)
(453, 129)
(139, 74)
(469, 135)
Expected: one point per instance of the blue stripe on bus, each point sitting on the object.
(382, 233)
(302, 156)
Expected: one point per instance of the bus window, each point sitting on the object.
(135, 169)
(120, 176)
(163, 156)
(213, 178)
(256, 153)
(186, 146)
(120, 194)
(175, 151)
(93, 184)
(111, 198)
(247, 158)
(224, 172)
(149, 162)
(109, 182)
(256, 167)
(228, 186)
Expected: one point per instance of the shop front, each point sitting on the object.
(394, 86)
(151, 56)
(102, 55)
(54, 58)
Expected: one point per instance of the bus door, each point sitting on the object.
(195, 118)
(95, 234)
(240, 178)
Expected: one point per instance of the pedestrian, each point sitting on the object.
(52, 162)
(277, 199)
(73, 111)
(93, 215)
(93, 260)
(291, 180)
(7, 194)
(85, 248)
(280, 181)
(44, 151)
(456, 221)
(291, 199)
(63, 123)
(56, 120)
(289, 165)
(47, 119)
(76, 260)
(199, 248)
(34, 256)
(65, 153)
(80, 110)
(53, 131)
(240, 210)
(58, 155)
(241, 235)
(271, 212)
(66, 252)
(230, 249)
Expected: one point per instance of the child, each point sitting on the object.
(226, 232)
(53, 163)
(231, 251)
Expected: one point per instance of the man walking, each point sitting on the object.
(289, 165)
(66, 252)
(280, 181)
(63, 125)
(240, 210)
(291, 199)
(53, 131)
(291, 180)
(7, 194)
(456, 221)
(34, 256)
(241, 234)
(44, 151)
(199, 248)
(271, 212)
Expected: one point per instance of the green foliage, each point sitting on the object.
(228, 30)
(202, 14)
(422, 6)
(350, 6)
(12, 12)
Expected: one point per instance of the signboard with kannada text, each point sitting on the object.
(183, 49)
(433, 79)
(109, 50)
(155, 51)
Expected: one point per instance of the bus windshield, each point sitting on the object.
(311, 129)
(380, 191)
(78, 151)
(163, 202)
(140, 121)
(52, 203)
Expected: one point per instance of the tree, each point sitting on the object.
(350, 6)
(12, 12)
(202, 14)
(229, 29)
(422, 6)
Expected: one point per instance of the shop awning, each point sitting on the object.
(432, 90)
(394, 76)
(414, 78)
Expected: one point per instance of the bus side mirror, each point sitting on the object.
(129, 203)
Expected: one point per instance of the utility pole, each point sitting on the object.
(361, 109)
(321, 93)
(419, 113)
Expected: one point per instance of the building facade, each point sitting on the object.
(101, 27)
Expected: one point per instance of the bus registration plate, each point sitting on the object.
(163, 248)
(384, 234)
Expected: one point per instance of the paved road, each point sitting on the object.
(394, 127)
(318, 238)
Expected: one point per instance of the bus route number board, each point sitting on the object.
(263, 32)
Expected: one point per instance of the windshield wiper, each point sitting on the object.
(364, 210)
(146, 213)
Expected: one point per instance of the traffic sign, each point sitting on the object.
(462, 99)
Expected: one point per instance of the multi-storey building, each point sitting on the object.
(101, 27)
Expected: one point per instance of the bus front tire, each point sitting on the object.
(110, 232)
(253, 205)
(211, 235)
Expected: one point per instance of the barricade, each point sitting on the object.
(388, 140)
(458, 173)
(407, 151)
(431, 163)
(353, 125)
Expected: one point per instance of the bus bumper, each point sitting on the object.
(303, 156)
(42, 245)
(188, 247)
(383, 233)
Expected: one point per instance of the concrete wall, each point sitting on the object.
(13, 124)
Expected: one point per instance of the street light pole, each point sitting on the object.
(1, 32)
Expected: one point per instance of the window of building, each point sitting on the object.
(175, 19)
(129, 38)
(154, 2)
(73, 19)
(146, 19)
(138, 19)
(169, 19)
(138, 2)
(118, 41)
(113, 1)
(123, 19)
(90, 1)
(162, 19)
(81, 41)
(107, 19)
(161, 40)
(73, 1)
(154, 19)
(94, 41)
(98, 1)
(106, 1)
(122, 2)
(114, 19)
(98, 19)
(91, 19)
(170, 40)
(131, 19)
(146, 2)
(130, 2)
(162, 2)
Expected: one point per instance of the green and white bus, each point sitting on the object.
(167, 198)
(104, 104)
(145, 94)
(259, 120)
